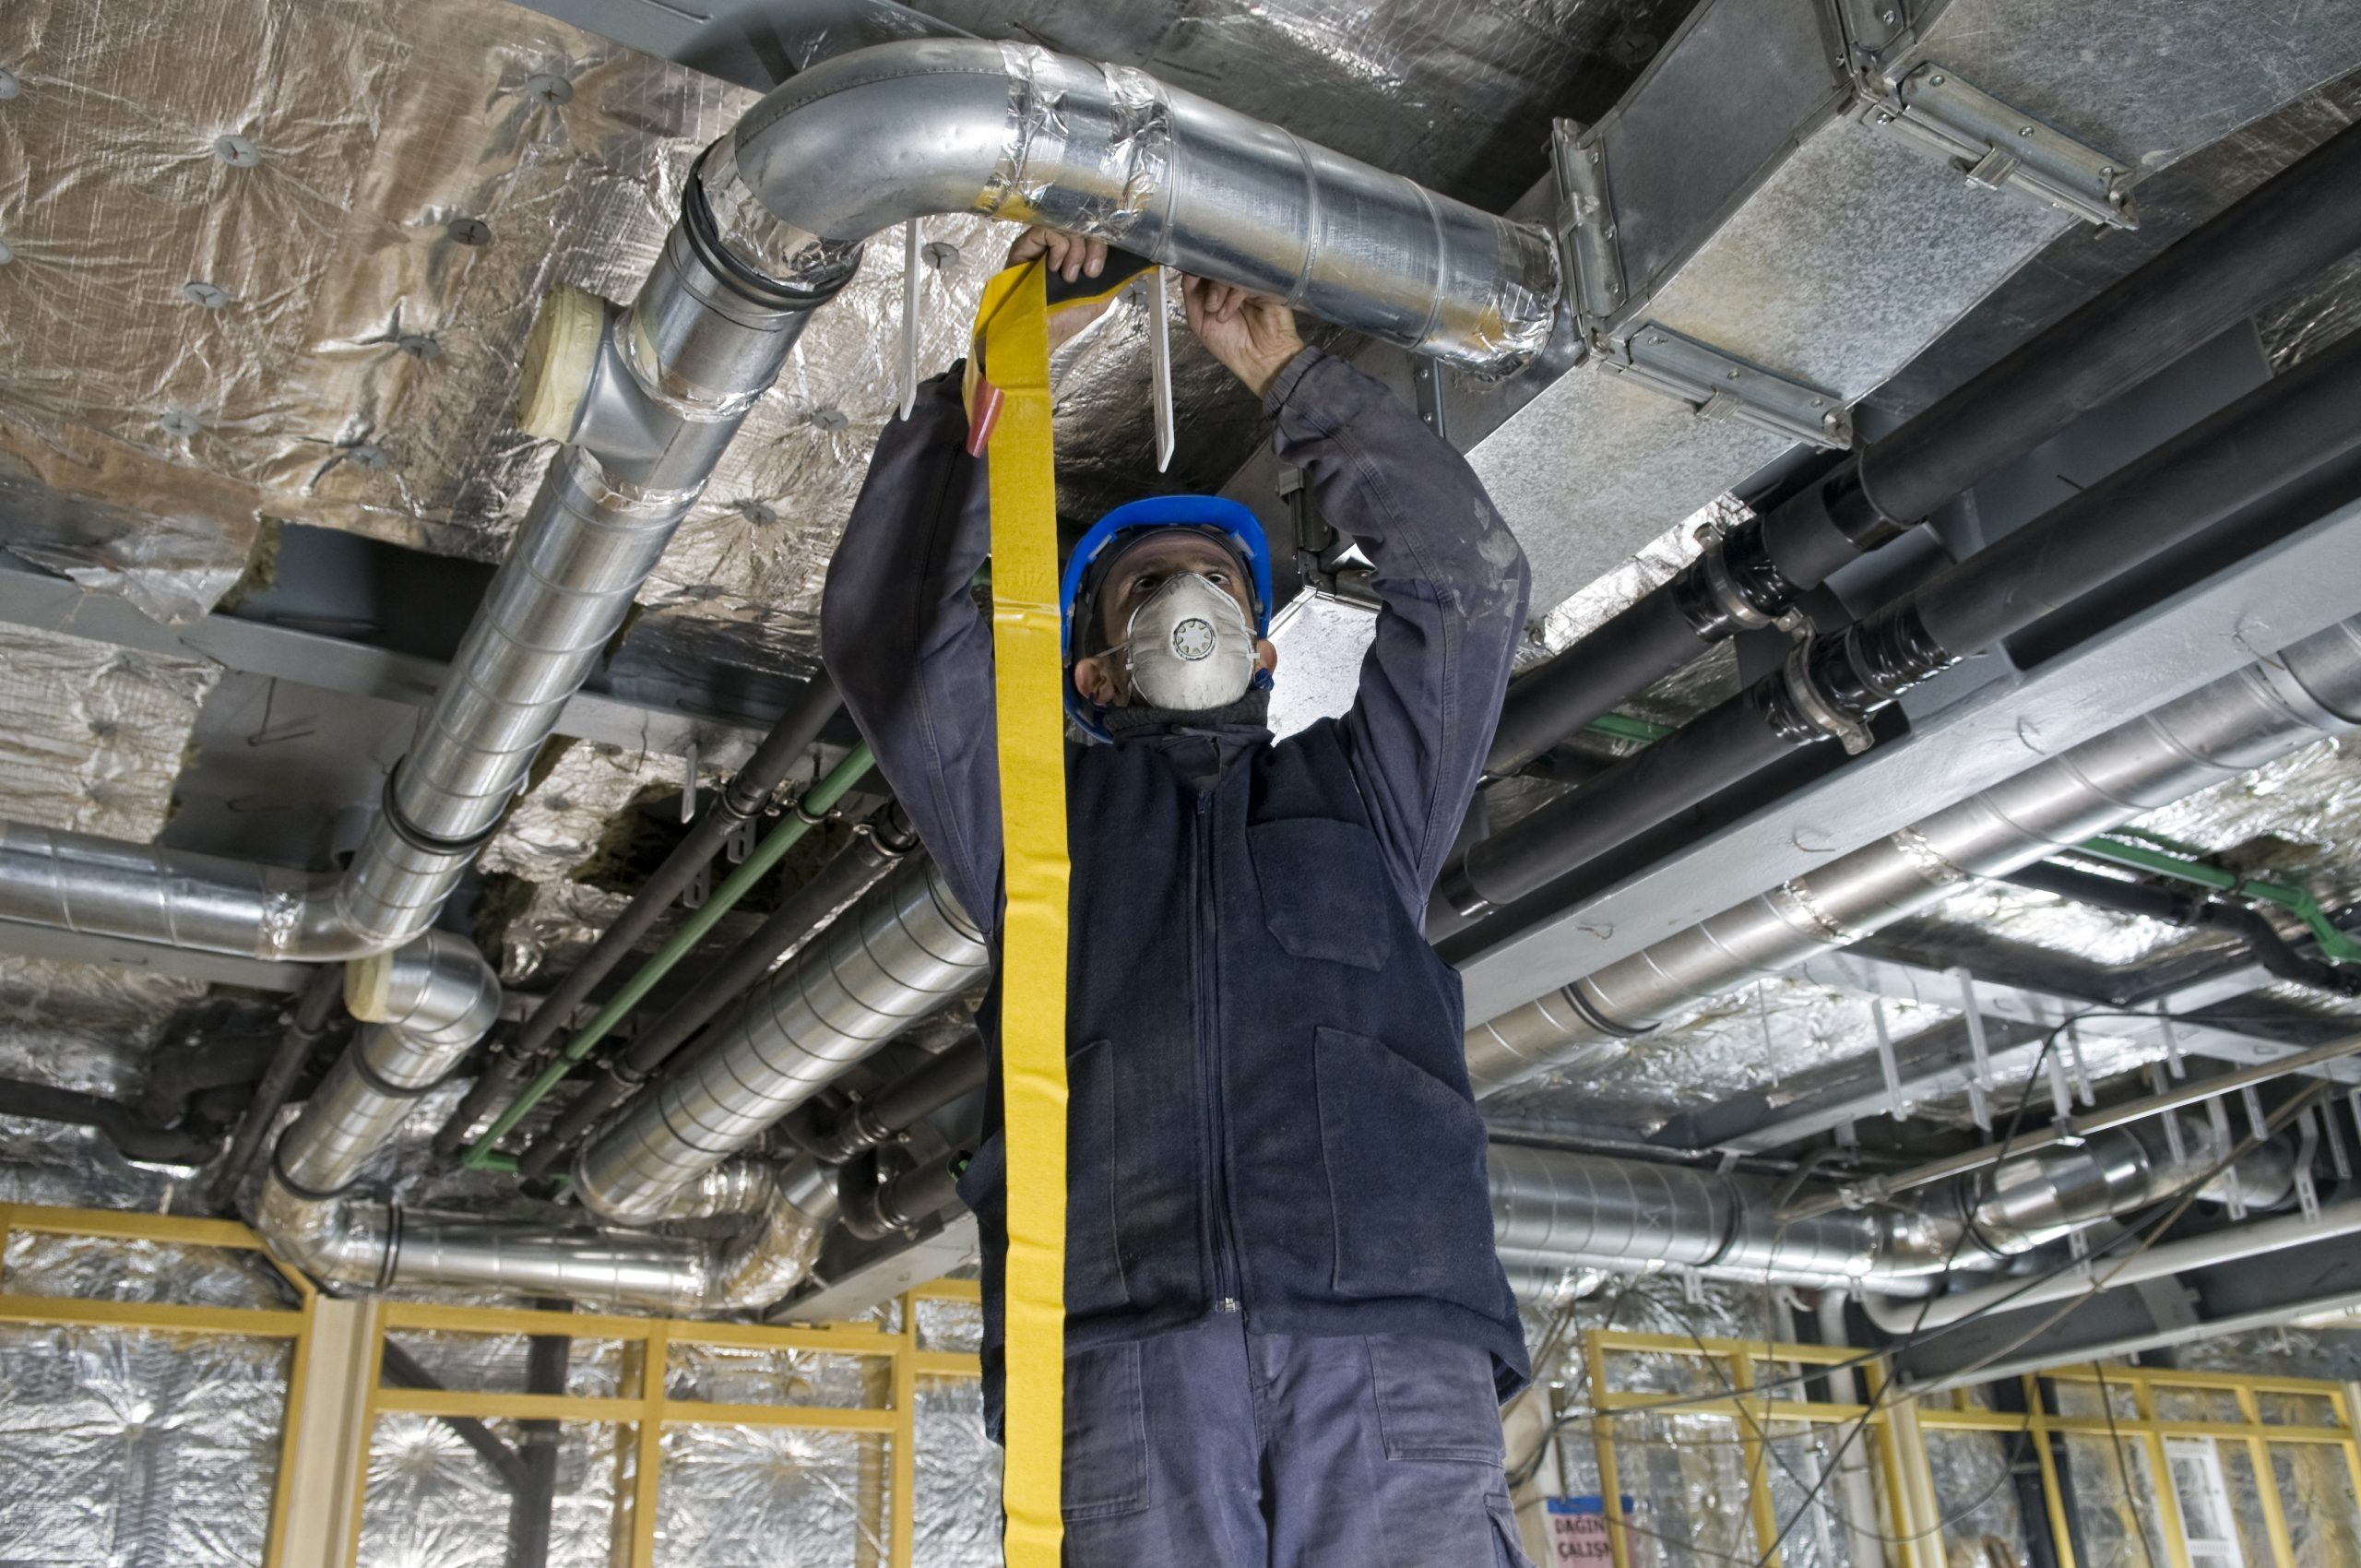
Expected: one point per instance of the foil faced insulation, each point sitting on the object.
(95, 732)
(368, 203)
(142, 1450)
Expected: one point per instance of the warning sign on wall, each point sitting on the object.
(1578, 1529)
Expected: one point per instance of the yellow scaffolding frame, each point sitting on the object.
(647, 1343)
(1910, 1519)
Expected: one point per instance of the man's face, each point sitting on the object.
(1143, 566)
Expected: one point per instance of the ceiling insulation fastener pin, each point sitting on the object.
(828, 419)
(206, 294)
(9, 86)
(180, 422)
(549, 89)
(472, 232)
(6, 256)
(236, 151)
(418, 346)
(940, 255)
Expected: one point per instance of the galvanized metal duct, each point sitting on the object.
(1765, 258)
(863, 142)
(2307, 692)
(906, 950)
(649, 397)
(377, 1246)
(1570, 1210)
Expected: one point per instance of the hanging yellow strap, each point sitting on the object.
(1013, 333)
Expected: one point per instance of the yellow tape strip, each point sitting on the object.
(1014, 324)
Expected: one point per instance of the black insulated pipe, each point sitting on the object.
(2174, 907)
(836, 1136)
(874, 1208)
(2254, 251)
(307, 1024)
(118, 1123)
(789, 741)
(1829, 688)
(884, 838)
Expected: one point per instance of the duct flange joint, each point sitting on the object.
(1720, 386)
(2004, 148)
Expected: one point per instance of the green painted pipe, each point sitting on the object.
(819, 799)
(2179, 863)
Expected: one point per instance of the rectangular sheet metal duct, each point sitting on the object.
(1771, 188)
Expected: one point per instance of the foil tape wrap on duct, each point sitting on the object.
(139, 1450)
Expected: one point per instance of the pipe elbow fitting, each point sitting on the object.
(328, 1238)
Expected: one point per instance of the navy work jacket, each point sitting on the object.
(1269, 1109)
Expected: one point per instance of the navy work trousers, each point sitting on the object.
(1219, 1448)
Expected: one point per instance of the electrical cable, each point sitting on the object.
(2123, 1465)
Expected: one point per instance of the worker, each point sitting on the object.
(1287, 1333)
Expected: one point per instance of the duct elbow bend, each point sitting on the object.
(904, 130)
(775, 1254)
(436, 992)
(330, 1239)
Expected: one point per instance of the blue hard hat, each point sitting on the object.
(1226, 520)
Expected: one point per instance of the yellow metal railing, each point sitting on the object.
(165, 1317)
(1914, 1531)
(647, 1343)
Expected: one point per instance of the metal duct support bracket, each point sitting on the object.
(1720, 386)
(2005, 149)
(1585, 225)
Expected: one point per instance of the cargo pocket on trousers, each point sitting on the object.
(1505, 1535)
(1435, 1400)
(1106, 1457)
(1094, 1183)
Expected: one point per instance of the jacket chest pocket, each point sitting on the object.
(1323, 889)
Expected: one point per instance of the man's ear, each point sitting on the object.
(1096, 682)
(1266, 656)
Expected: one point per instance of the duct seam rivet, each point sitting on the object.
(472, 232)
(236, 151)
(205, 294)
(549, 89)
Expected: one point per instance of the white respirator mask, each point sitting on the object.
(1189, 646)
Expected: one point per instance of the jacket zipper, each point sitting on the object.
(1217, 1182)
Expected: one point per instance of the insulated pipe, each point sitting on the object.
(904, 952)
(787, 744)
(2174, 907)
(907, 130)
(900, 1105)
(876, 1205)
(1554, 1207)
(2254, 251)
(2235, 1243)
(2309, 691)
(885, 839)
(2263, 443)
(375, 1247)
(132, 1137)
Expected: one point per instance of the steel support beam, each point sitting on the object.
(1996, 722)
(1751, 1125)
(656, 722)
